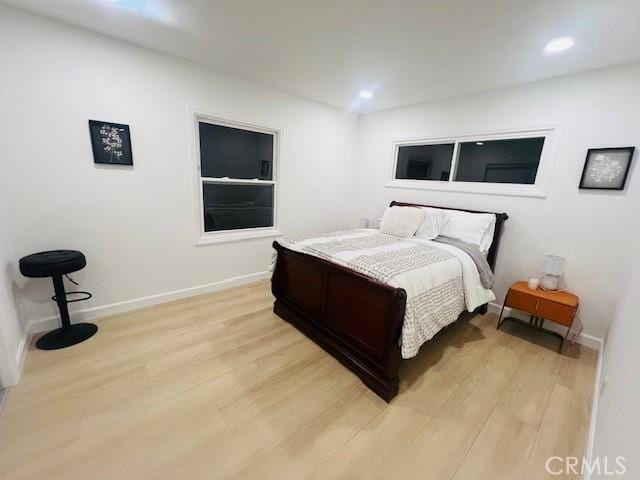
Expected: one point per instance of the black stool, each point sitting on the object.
(55, 264)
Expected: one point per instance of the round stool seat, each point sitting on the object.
(52, 262)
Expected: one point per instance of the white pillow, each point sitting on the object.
(401, 221)
(432, 223)
(474, 228)
(487, 239)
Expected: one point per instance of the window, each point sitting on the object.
(229, 206)
(424, 162)
(237, 165)
(500, 161)
(517, 163)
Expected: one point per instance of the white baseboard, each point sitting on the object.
(21, 353)
(94, 313)
(597, 387)
(583, 338)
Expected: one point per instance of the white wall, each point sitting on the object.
(617, 420)
(137, 226)
(11, 332)
(593, 230)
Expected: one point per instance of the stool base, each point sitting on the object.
(65, 337)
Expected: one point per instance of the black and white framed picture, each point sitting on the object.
(606, 168)
(111, 143)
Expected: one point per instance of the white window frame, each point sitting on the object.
(220, 236)
(543, 177)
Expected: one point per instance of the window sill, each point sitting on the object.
(236, 236)
(470, 187)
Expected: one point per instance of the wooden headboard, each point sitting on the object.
(500, 219)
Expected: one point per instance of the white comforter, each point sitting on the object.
(439, 286)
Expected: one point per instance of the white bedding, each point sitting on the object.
(474, 293)
(439, 286)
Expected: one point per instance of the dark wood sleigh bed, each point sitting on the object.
(353, 317)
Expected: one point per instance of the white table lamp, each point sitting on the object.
(553, 269)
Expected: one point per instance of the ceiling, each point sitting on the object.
(405, 51)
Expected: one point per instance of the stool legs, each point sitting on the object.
(61, 300)
(68, 334)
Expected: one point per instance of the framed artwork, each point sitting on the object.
(111, 143)
(606, 168)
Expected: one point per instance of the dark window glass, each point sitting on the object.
(499, 161)
(235, 153)
(424, 162)
(229, 207)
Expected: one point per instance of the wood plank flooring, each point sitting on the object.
(217, 386)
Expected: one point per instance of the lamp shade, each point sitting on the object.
(553, 265)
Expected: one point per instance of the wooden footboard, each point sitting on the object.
(353, 317)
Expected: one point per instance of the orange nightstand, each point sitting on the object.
(541, 305)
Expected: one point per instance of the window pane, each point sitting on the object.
(235, 153)
(229, 207)
(499, 161)
(424, 162)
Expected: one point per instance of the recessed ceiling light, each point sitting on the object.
(558, 45)
(143, 8)
(366, 94)
(479, 143)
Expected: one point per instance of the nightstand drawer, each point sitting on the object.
(556, 312)
(522, 301)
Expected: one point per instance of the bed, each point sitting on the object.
(356, 318)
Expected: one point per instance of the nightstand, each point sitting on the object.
(541, 305)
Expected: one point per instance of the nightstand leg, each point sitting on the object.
(564, 339)
(500, 318)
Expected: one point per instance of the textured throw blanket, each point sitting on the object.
(479, 259)
(431, 276)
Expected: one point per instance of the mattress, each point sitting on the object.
(441, 280)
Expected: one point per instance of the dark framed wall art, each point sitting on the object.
(606, 168)
(111, 143)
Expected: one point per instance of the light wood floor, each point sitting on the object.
(216, 386)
